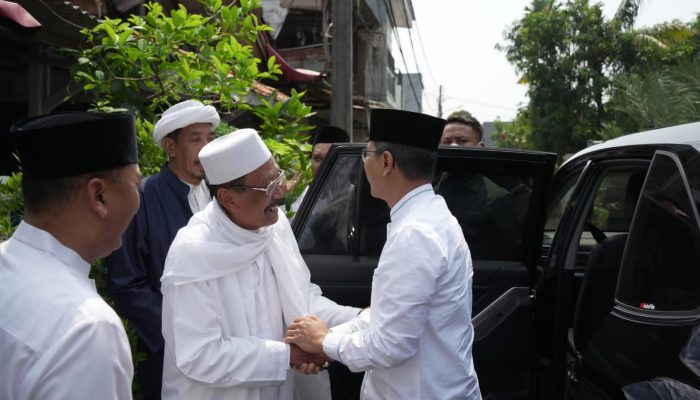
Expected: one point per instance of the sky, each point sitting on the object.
(455, 47)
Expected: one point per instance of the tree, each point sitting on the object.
(11, 205)
(663, 87)
(594, 79)
(149, 62)
(656, 99)
(564, 53)
(513, 135)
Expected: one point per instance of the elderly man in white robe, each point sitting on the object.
(417, 344)
(233, 280)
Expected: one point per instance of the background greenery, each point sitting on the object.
(589, 78)
(147, 63)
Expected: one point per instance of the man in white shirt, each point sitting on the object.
(168, 200)
(233, 280)
(418, 342)
(58, 338)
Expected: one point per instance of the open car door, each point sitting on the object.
(498, 197)
(645, 341)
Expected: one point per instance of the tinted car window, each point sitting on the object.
(491, 204)
(661, 266)
(558, 205)
(615, 200)
(613, 205)
(330, 227)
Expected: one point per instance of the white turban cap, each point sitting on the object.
(232, 156)
(181, 115)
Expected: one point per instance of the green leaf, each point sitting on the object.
(124, 36)
(110, 32)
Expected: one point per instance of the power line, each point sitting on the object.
(425, 58)
(410, 38)
(429, 104)
(477, 102)
(60, 17)
(482, 116)
(389, 8)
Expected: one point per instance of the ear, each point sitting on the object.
(388, 160)
(227, 198)
(95, 192)
(480, 144)
(169, 146)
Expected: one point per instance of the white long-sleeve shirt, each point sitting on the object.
(418, 341)
(58, 338)
(228, 294)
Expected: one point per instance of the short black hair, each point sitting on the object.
(465, 118)
(42, 195)
(415, 162)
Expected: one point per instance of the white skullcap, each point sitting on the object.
(181, 115)
(231, 156)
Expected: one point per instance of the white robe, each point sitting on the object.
(58, 338)
(211, 323)
(297, 203)
(418, 342)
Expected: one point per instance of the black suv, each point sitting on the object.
(586, 282)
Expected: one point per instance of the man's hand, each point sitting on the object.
(307, 333)
(305, 362)
(293, 182)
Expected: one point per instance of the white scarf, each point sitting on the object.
(226, 248)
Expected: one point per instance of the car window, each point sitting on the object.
(491, 203)
(661, 265)
(330, 226)
(613, 205)
(615, 200)
(558, 205)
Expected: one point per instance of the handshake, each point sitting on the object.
(305, 335)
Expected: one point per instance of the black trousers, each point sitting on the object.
(149, 373)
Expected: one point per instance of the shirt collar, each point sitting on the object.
(178, 186)
(398, 210)
(44, 241)
(194, 188)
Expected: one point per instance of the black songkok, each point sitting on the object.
(331, 134)
(405, 127)
(73, 143)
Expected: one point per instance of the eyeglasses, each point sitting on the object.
(365, 151)
(270, 189)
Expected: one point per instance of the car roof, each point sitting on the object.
(680, 134)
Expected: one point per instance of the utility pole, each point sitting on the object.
(440, 103)
(341, 65)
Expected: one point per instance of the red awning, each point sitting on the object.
(290, 73)
(15, 18)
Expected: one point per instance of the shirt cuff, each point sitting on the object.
(331, 345)
(287, 355)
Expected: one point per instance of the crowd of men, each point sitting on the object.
(203, 265)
